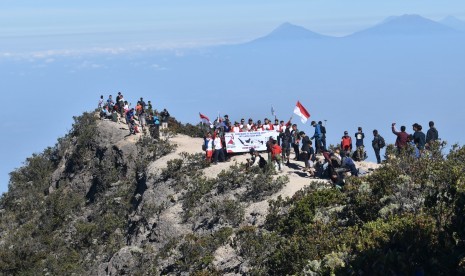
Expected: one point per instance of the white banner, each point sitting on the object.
(244, 141)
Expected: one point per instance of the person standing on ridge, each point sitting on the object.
(110, 102)
(317, 136)
(419, 138)
(142, 103)
(286, 145)
(165, 115)
(346, 144)
(378, 143)
(432, 135)
(323, 136)
(402, 137)
(100, 102)
(218, 147)
(360, 148)
(295, 140)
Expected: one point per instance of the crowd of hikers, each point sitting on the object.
(333, 163)
(141, 118)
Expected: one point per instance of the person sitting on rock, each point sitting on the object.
(256, 160)
(349, 164)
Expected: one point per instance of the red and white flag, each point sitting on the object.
(204, 118)
(300, 111)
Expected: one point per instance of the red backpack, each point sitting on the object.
(346, 142)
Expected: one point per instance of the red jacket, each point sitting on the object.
(275, 150)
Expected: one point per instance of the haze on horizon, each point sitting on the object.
(57, 58)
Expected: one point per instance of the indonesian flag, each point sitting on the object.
(204, 118)
(300, 111)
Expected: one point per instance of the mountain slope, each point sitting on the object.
(290, 32)
(102, 202)
(453, 22)
(407, 25)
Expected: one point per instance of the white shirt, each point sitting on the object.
(218, 144)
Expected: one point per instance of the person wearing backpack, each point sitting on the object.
(156, 126)
(378, 143)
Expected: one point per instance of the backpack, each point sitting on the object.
(381, 142)
(346, 142)
(323, 129)
(262, 162)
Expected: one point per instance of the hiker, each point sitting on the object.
(277, 126)
(142, 118)
(256, 159)
(156, 126)
(346, 144)
(419, 138)
(295, 140)
(130, 120)
(268, 125)
(402, 137)
(105, 113)
(281, 128)
(126, 107)
(337, 180)
(110, 102)
(143, 104)
(411, 143)
(432, 135)
(349, 164)
(121, 103)
(378, 143)
(323, 136)
(305, 148)
(276, 154)
(259, 126)
(218, 147)
(208, 144)
(317, 136)
(250, 125)
(360, 148)
(165, 115)
(236, 128)
(149, 107)
(226, 119)
(242, 125)
(133, 128)
(269, 146)
(308, 154)
(100, 102)
(286, 145)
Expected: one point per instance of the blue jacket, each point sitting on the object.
(317, 131)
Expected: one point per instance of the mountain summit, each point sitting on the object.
(288, 32)
(408, 24)
(453, 22)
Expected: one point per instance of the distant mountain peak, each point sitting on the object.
(288, 31)
(453, 22)
(407, 24)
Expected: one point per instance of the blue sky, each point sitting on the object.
(52, 33)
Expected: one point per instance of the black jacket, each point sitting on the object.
(432, 135)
